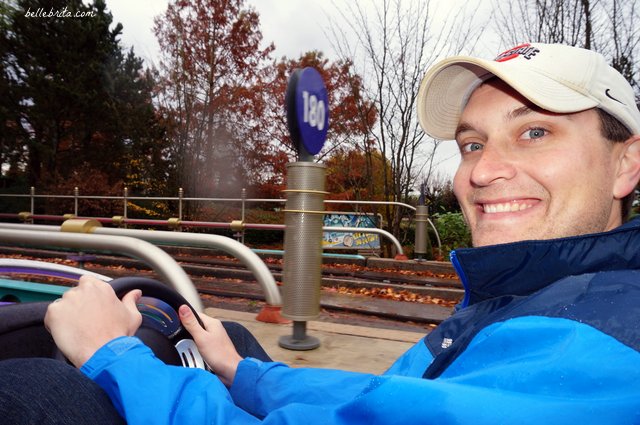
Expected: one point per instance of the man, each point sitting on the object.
(549, 329)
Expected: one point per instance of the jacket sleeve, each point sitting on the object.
(525, 371)
(145, 390)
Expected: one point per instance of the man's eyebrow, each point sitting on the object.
(522, 111)
(532, 108)
(462, 127)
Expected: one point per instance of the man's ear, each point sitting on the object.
(629, 170)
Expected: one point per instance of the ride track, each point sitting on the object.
(351, 293)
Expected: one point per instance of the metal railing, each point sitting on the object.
(157, 259)
(181, 199)
(236, 249)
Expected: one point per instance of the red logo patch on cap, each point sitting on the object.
(527, 51)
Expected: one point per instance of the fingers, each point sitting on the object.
(190, 322)
(131, 299)
(213, 343)
(87, 317)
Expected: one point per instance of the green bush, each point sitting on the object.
(454, 232)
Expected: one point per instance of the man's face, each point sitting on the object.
(531, 174)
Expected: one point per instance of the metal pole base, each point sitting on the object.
(299, 341)
(309, 343)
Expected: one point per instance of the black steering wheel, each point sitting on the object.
(161, 329)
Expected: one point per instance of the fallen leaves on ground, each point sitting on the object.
(389, 293)
(391, 271)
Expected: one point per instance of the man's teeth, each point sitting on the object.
(505, 207)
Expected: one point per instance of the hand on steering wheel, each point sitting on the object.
(167, 312)
(90, 315)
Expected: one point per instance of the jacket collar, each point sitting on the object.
(522, 268)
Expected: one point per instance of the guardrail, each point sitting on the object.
(126, 197)
(156, 258)
(245, 255)
(180, 199)
(175, 224)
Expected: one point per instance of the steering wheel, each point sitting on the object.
(161, 329)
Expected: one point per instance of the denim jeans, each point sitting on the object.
(46, 392)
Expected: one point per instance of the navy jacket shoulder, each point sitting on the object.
(591, 279)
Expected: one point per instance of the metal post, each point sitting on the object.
(422, 219)
(302, 272)
(76, 192)
(33, 195)
(244, 200)
(126, 194)
(180, 196)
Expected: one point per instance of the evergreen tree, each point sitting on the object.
(71, 99)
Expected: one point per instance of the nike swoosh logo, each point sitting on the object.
(611, 97)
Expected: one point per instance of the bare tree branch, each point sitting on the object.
(610, 27)
(391, 44)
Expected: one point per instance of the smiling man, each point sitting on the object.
(548, 331)
(523, 175)
(538, 159)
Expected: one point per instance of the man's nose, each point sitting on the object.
(494, 165)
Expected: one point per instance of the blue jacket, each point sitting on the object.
(548, 332)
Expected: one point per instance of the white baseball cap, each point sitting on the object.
(555, 77)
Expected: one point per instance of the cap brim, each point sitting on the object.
(446, 88)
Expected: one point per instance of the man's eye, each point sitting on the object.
(471, 147)
(534, 133)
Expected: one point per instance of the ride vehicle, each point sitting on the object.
(23, 304)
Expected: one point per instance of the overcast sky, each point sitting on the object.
(294, 26)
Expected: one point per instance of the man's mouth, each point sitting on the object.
(502, 207)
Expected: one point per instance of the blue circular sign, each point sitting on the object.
(307, 110)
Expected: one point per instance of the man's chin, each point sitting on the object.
(499, 237)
